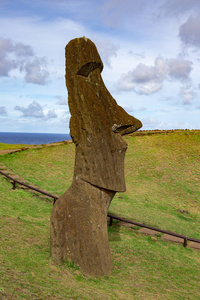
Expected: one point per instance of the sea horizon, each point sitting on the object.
(31, 138)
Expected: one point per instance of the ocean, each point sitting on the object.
(32, 138)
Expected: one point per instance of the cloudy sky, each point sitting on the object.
(150, 50)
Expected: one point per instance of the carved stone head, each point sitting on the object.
(97, 123)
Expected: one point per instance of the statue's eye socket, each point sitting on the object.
(88, 68)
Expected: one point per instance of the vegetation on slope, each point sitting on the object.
(4, 146)
(162, 175)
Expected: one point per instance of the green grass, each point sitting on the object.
(12, 146)
(162, 175)
(50, 167)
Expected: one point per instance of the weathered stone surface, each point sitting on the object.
(97, 122)
(79, 228)
(79, 217)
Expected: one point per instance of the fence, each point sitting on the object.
(14, 181)
(185, 238)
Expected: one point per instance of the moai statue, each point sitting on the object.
(97, 124)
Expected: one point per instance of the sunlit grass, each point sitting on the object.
(162, 175)
(162, 178)
(4, 146)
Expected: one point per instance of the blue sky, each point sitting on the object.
(150, 50)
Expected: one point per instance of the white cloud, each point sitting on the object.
(143, 73)
(21, 57)
(149, 79)
(150, 88)
(179, 68)
(51, 114)
(8, 46)
(6, 64)
(61, 101)
(3, 111)
(34, 109)
(34, 72)
(189, 31)
(188, 95)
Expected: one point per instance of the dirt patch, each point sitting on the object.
(2, 152)
(6, 151)
(147, 231)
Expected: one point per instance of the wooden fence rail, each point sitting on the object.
(185, 238)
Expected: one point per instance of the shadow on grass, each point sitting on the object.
(114, 232)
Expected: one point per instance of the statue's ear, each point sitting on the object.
(86, 69)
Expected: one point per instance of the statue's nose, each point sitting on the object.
(119, 120)
(127, 129)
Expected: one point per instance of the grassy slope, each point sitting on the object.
(12, 146)
(162, 175)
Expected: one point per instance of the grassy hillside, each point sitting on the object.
(162, 175)
(12, 146)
